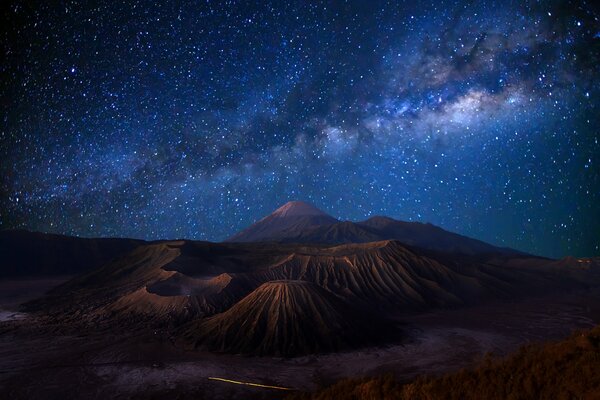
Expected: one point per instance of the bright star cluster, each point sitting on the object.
(188, 119)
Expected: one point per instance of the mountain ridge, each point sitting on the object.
(167, 285)
(25, 253)
(308, 224)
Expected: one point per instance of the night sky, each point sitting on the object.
(158, 119)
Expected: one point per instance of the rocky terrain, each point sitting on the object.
(287, 318)
(350, 304)
(212, 285)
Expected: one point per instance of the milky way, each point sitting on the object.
(188, 119)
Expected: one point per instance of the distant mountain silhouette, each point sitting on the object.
(299, 222)
(26, 254)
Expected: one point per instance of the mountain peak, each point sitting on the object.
(297, 209)
(286, 318)
(292, 217)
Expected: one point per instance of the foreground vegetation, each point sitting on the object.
(569, 369)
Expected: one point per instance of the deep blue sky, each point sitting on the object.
(194, 119)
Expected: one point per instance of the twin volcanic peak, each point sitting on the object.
(300, 222)
(303, 282)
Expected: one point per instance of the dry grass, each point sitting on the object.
(569, 369)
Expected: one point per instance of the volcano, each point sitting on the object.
(286, 318)
(289, 220)
(297, 282)
(299, 222)
(272, 294)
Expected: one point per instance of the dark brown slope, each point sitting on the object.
(388, 275)
(170, 284)
(31, 254)
(90, 296)
(179, 281)
(144, 286)
(285, 318)
(287, 220)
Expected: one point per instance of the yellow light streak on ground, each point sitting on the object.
(212, 378)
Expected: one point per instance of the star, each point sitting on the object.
(193, 120)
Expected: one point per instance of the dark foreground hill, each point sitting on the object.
(569, 369)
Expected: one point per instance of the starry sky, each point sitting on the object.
(190, 119)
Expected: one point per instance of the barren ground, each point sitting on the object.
(35, 364)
